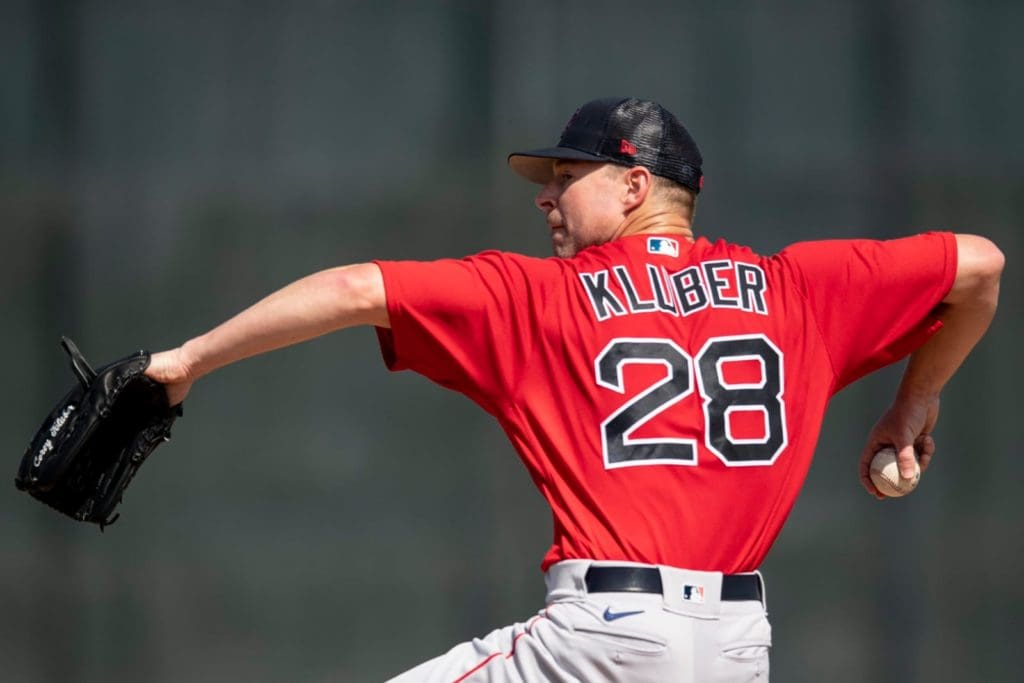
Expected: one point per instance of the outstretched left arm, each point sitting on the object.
(965, 313)
(315, 305)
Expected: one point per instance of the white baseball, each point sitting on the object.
(885, 474)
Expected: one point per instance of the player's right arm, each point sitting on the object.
(930, 296)
(965, 312)
(313, 306)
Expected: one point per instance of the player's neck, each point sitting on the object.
(656, 222)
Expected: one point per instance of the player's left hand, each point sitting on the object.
(170, 369)
(906, 426)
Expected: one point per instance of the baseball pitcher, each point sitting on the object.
(665, 392)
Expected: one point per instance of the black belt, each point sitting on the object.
(648, 580)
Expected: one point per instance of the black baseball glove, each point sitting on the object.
(90, 446)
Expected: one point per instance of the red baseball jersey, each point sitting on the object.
(666, 396)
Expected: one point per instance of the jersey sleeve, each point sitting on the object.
(873, 301)
(467, 324)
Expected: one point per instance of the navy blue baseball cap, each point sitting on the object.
(624, 131)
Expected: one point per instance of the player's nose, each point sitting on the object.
(545, 199)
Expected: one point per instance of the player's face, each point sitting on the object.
(582, 203)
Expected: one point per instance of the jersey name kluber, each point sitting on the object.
(692, 289)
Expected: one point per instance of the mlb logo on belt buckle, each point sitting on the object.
(693, 593)
(662, 245)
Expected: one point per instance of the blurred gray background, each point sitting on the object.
(316, 518)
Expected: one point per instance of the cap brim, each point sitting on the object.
(536, 165)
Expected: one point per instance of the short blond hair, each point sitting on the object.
(680, 197)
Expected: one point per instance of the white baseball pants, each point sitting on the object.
(685, 635)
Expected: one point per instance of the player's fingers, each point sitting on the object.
(863, 468)
(865, 461)
(167, 368)
(869, 486)
(875, 443)
(162, 367)
(907, 461)
(864, 471)
(925, 446)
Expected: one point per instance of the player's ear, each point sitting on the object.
(637, 183)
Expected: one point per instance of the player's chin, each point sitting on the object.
(561, 245)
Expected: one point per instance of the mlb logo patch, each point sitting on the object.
(662, 245)
(693, 593)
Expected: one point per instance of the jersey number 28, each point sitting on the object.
(721, 399)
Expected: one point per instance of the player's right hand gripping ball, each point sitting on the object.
(885, 474)
(96, 438)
